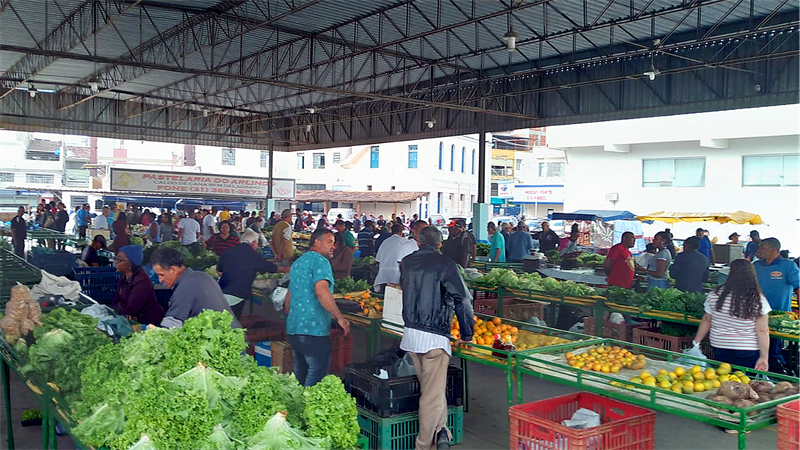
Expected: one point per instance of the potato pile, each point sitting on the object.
(741, 395)
(22, 314)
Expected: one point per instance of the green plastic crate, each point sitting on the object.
(362, 443)
(400, 432)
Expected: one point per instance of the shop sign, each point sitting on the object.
(505, 190)
(199, 184)
(552, 194)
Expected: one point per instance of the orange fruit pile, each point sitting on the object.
(486, 329)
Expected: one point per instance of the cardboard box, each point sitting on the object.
(263, 353)
(282, 356)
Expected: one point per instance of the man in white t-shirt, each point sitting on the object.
(209, 220)
(392, 251)
(101, 221)
(188, 231)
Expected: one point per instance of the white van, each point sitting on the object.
(347, 214)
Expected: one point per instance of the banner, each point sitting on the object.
(549, 194)
(199, 184)
(505, 190)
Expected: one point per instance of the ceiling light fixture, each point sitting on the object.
(431, 122)
(94, 86)
(308, 128)
(511, 39)
(32, 90)
(312, 110)
(653, 72)
(205, 112)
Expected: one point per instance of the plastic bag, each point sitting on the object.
(582, 420)
(279, 297)
(404, 367)
(697, 353)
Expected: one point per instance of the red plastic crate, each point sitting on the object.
(650, 337)
(341, 350)
(621, 332)
(789, 425)
(537, 425)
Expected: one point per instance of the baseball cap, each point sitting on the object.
(754, 233)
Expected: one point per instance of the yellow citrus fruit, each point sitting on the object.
(699, 387)
(708, 384)
(744, 379)
(710, 375)
(688, 389)
(679, 371)
(636, 380)
(615, 369)
(645, 374)
(672, 376)
(665, 385)
(662, 372)
(696, 369)
(715, 384)
(677, 389)
(650, 382)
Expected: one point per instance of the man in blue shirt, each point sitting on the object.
(778, 277)
(706, 248)
(82, 219)
(520, 243)
(310, 306)
(752, 247)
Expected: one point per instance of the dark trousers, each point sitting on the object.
(82, 232)
(744, 358)
(777, 364)
(312, 357)
(19, 248)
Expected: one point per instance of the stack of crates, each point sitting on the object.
(14, 269)
(789, 425)
(56, 262)
(388, 408)
(99, 283)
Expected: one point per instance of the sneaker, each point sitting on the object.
(442, 440)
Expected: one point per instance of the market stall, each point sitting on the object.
(601, 229)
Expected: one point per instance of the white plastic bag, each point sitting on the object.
(279, 298)
(697, 353)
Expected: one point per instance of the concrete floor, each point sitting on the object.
(486, 423)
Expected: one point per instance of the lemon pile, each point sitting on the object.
(689, 381)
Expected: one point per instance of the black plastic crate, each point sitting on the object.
(99, 283)
(397, 395)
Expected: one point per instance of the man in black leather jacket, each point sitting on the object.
(432, 291)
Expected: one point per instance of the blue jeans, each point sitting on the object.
(744, 358)
(312, 357)
(654, 282)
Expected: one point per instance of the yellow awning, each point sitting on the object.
(740, 217)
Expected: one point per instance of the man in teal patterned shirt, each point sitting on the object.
(310, 306)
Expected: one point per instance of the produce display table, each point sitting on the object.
(550, 363)
(485, 354)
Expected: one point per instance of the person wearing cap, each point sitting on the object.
(135, 297)
(460, 245)
(752, 247)
(89, 254)
(690, 267)
(238, 267)
(706, 248)
(347, 236)
(733, 238)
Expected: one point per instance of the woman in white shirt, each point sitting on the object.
(737, 316)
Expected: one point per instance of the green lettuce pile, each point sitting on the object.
(193, 388)
(530, 282)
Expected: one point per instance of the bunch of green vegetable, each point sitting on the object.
(192, 388)
(327, 413)
(135, 240)
(677, 329)
(591, 259)
(348, 285)
(670, 299)
(553, 257)
(31, 414)
(482, 249)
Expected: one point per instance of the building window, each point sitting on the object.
(452, 157)
(471, 201)
(473, 161)
(301, 161)
(369, 187)
(78, 200)
(374, 157)
(499, 171)
(439, 203)
(337, 157)
(412, 156)
(548, 169)
(319, 160)
(493, 190)
(310, 187)
(228, 157)
(462, 198)
(39, 178)
(6, 177)
(264, 159)
(772, 170)
(688, 172)
(441, 148)
(518, 165)
(463, 157)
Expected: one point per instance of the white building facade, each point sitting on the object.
(722, 161)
